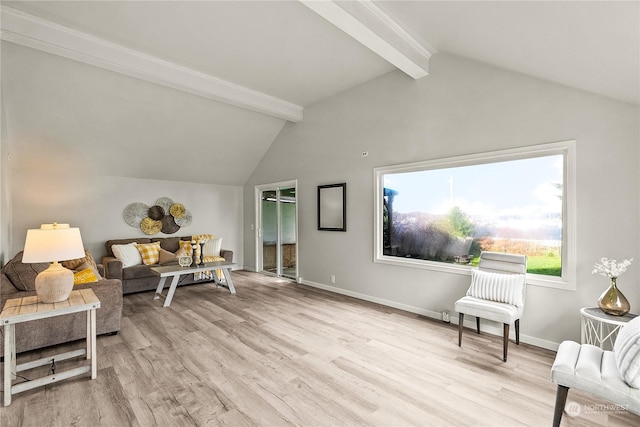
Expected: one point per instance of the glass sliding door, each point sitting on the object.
(269, 231)
(277, 237)
(288, 237)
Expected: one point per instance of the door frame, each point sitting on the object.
(275, 186)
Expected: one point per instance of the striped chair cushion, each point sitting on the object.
(506, 288)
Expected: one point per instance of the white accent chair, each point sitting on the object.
(611, 375)
(497, 293)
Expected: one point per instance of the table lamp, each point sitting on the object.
(53, 243)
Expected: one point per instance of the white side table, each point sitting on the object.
(601, 329)
(18, 310)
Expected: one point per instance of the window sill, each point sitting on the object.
(532, 279)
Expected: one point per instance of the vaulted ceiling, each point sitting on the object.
(142, 84)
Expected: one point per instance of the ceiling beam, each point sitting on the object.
(28, 30)
(369, 25)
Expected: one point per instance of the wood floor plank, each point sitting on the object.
(281, 354)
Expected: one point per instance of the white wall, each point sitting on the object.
(5, 194)
(96, 203)
(462, 107)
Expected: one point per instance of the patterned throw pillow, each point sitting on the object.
(84, 276)
(500, 287)
(186, 246)
(93, 268)
(149, 252)
(128, 254)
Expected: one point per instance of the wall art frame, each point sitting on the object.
(332, 207)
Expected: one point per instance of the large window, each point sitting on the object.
(441, 214)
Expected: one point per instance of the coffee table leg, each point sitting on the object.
(227, 276)
(172, 289)
(160, 286)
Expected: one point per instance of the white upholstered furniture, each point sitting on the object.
(496, 293)
(611, 375)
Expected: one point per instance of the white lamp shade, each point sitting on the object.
(53, 242)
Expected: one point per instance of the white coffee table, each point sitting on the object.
(176, 271)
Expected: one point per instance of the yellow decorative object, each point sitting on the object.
(84, 276)
(177, 210)
(202, 238)
(150, 226)
(149, 252)
(186, 246)
(212, 259)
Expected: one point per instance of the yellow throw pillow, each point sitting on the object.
(149, 252)
(84, 276)
(186, 245)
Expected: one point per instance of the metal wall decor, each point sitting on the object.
(164, 216)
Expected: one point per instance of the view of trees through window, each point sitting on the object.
(451, 214)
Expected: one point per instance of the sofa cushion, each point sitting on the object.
(168, 243)
(128, 254)
(212, 247)
(84, 276)
(109, 243)
(186, 246)
(627, 350)
(93, 268)
(500, 287)
(137, 272)
(21, 275)
(149, 252)
(166, 257)
(73, 264)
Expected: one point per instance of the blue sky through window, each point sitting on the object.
(526, 187)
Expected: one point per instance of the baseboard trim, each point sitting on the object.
(489, 328)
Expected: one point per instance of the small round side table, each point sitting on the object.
(601, 329)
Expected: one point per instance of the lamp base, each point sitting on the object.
(54, 284)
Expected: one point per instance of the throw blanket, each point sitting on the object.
(208, 275)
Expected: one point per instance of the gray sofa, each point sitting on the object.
(139, 278)
(59, 329)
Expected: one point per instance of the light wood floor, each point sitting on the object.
(278, 353)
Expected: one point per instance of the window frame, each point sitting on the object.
(566, 148)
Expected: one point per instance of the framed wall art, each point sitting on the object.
(332, 207)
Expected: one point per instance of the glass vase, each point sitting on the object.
(613, 302)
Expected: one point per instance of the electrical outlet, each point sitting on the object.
(365, 153)
(445, 316)
(333, 279)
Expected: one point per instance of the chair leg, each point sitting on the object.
(460, 322)
(478, 325)
(561, 400)
(505, 342)
(517, 331)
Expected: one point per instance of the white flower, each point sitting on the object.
(611, 268)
